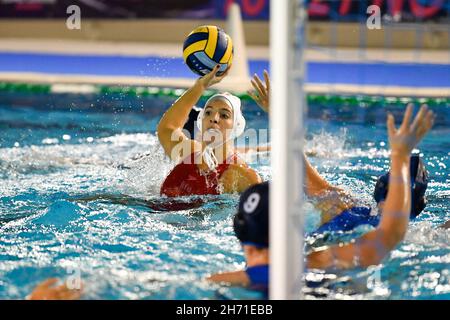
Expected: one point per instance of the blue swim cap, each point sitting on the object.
(251, 222)
(419, 183)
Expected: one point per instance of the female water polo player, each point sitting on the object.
(340, 211)
(251, 222)
(346, 215)
(211, 165)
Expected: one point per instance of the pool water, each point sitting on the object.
(79, 198)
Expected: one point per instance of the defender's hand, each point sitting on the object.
(262, 91)
(408, 136)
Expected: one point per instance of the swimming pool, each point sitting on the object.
(79, 185)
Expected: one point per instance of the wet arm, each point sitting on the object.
(374, 246)
(371, 248)
(236, 278)
(331, 200)
(170, 127)
(315, 184)
(170, 132)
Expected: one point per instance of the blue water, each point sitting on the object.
(373, 73)
(79, 184)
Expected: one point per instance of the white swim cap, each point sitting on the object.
(235, 104)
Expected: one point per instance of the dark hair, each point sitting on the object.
(419, 183)
(190, 123)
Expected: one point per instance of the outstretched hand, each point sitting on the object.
(212, 78)
(408, 136)
(262, 91)
(48, 291)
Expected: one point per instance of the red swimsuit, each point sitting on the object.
(185, 179)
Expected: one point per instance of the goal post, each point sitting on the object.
(287, 67)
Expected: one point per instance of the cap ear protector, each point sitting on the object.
(419, 182)
(419, 186)
(235, 104)
(381, 187)
(239, 226)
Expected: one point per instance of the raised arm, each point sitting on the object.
(315, 184)
(331, 199)
(371, 248)
(170, 127)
